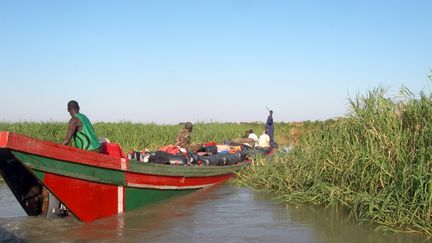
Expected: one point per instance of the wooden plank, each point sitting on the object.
(182, 170)
(35, 146)
(172, 182)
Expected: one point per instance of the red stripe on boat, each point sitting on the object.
(88, 200)
(58, 151)
(172, 182)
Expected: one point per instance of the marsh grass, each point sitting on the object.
(136, 136)
(376, 162)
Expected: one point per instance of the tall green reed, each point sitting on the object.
(136, 136)
(376, 161)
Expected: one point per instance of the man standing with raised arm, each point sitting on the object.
(270, 127)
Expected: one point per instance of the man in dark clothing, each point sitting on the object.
(184, 138)
(270, 127)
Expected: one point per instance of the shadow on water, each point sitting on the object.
(218, 214)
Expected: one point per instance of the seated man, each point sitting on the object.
(80, 130)
(184, 137)
(250, 139)
(264, 141)
(254, 137)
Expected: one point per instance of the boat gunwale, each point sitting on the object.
(17, 142)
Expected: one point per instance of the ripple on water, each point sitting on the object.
(221, 213)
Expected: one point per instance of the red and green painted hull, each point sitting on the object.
(93, 185)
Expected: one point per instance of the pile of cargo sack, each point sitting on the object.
(209, 154)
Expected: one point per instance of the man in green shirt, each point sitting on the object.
(80, 130)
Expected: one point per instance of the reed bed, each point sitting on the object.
(377, 162)
(136, 136)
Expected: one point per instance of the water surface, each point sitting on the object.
(223, 213)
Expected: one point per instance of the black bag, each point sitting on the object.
(209, 149)
(232, 158)
(260, 151)
(193, 158)
(244, 154)
(160, 157)
(214, 160)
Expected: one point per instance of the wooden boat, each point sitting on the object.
(93, 185)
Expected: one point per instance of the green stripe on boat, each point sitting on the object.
(85, 172)
(39, 174)
(177, 170)
(137, 197)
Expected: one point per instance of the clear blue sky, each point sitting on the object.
(170, 61)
